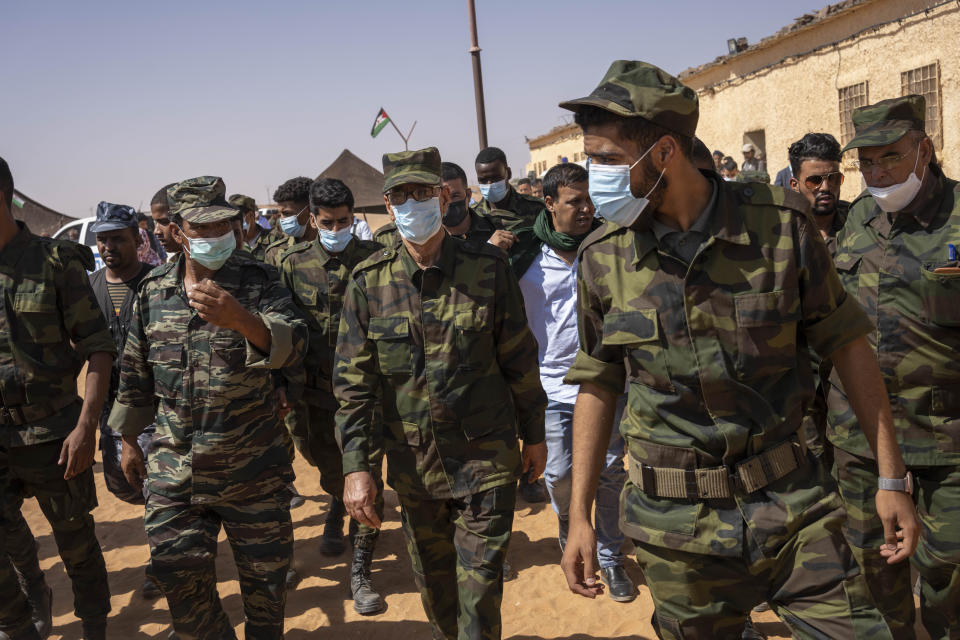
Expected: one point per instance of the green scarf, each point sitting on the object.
(543, 229)
(530, 239)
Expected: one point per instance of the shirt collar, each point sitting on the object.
(445, 261)
(343, 257)
(14, 249)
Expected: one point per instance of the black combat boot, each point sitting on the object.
(366, 601)
(332, 544)
(94, 629)
(40, 597)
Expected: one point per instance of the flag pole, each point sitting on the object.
(405, 146)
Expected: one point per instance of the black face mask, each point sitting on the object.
(456, 212)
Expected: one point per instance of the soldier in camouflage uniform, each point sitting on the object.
(255, 238)
(50, 326)
(293, 205)
(317, 273)
(816, 175)
(207, 331)
(896, 256)
(702, 295)
(435, 363)
(500, 199)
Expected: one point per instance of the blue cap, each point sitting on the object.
(113, 217)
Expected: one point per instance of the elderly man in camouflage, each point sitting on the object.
(435, 363)
(703, 295)
(896, 256)
(317, 273)
(206, 333)
(50, 326)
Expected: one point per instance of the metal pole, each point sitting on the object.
(477, 77)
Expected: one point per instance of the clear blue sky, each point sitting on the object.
(112, 100)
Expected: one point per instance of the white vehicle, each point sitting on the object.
(85, 236)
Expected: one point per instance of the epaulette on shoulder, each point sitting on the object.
(279, 242)
(385, 229)
(768, 195)
(159, 271)
(296, 248)
(382, 254)
(863, 194)
(369, 245)
(64, 250)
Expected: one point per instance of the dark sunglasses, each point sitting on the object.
(834, 179)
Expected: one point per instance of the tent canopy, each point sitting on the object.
(364, 181)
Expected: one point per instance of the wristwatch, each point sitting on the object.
(904, 484)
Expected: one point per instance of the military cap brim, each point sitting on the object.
(881, 135)
(207, 215)
(111, 225)
(602, 103)
(410, 177)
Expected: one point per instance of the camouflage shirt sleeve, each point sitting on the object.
(133, 409)
(293, 379)
(517, 355)
(596, 363)
(356, 380)
(82, 318)
(288, 330)
(831, 318)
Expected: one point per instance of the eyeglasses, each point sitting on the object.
(834, 180)
(887, 162)
(421, 194)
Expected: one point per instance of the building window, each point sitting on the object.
(925, 81)
(851, 98)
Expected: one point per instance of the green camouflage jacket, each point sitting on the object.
(275, 249)
(716, 359)
(318, 279)
(263, 241)
(446, 355)
(218, 434)
(481, 226)
(516, 210)
(887, 263)
(51, 324)
(387, 235)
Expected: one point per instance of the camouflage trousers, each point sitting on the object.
(315, 435)
(183, 547)
(937, 559)
(66, 504)
(457, 548)
(813, 584)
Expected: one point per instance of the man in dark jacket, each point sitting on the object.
(115, 287)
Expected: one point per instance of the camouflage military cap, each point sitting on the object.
(411, 167)
(200, 200)
(876, 125)
(242, 202)
(113, 217)
(632, 88)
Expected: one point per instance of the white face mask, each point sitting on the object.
(896, 197)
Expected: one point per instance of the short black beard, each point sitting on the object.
(821, 213)
(650, 177)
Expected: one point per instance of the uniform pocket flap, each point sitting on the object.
(165, 354)
(38, 301)
(633, 327)
(388, 329)
(473, 319)
(847, 261)
(768, 308)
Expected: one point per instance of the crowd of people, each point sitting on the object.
(780, 366)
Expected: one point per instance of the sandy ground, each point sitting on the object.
(536, 605)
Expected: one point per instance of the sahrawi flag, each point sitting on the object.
(17, 200)
(382, 120)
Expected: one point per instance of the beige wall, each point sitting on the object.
(786, 92)
(567, 144)
(801, 94)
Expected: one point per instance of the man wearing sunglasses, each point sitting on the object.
(897, 255)
(435, 364)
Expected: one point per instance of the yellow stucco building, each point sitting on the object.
(811, 75)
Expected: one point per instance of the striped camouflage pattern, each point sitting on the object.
(218, 434)
(916, 327)
(50, 325)
(515, 211)
(761, 289)
(183, 551)
(447, 358)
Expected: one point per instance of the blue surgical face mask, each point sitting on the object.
(610, 191)
(418, 221)
(335, 241)
(495, 191)
(291, 226)
(211, 252)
